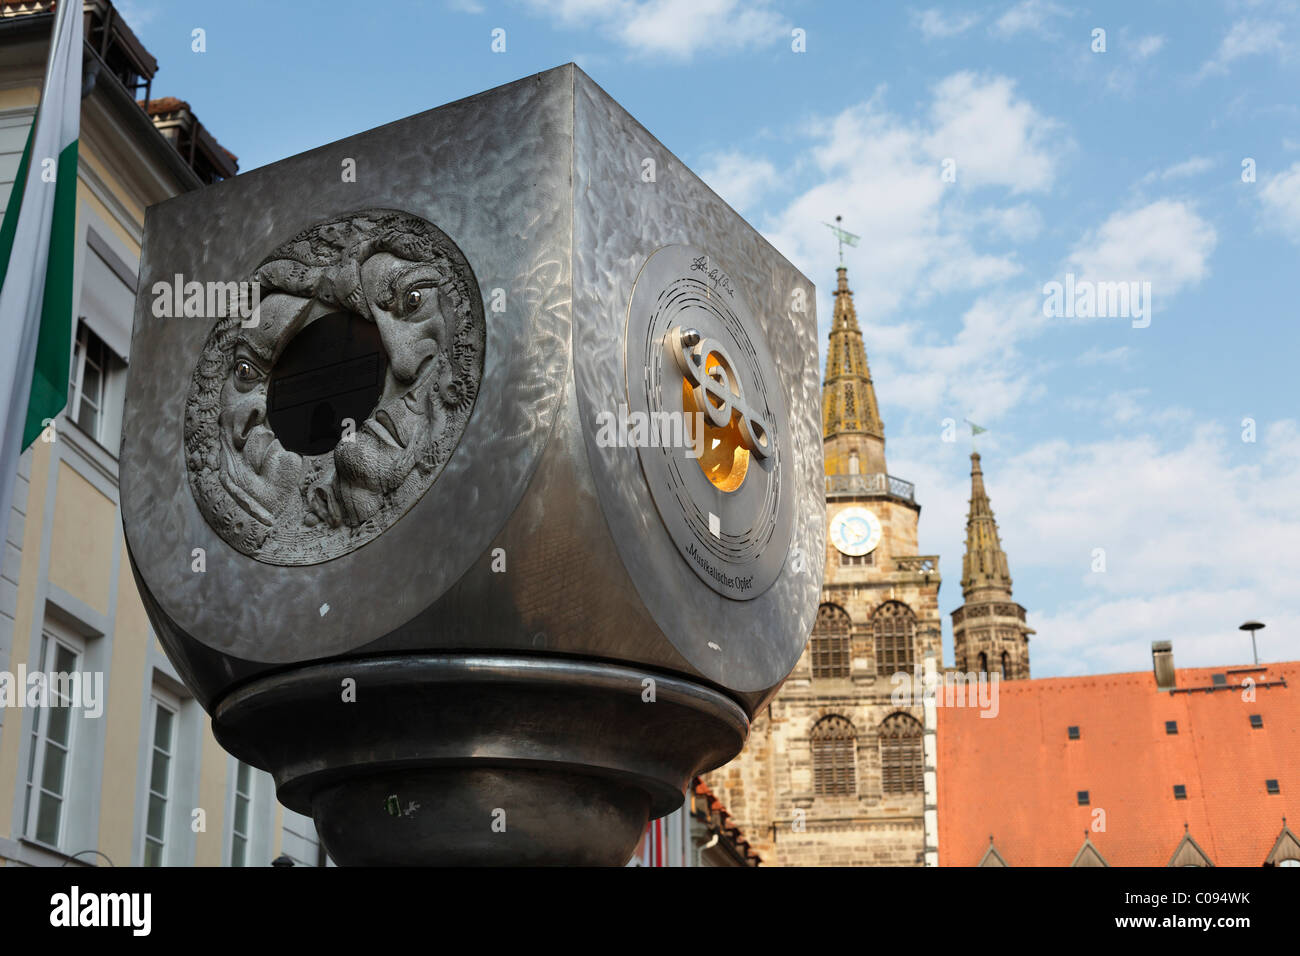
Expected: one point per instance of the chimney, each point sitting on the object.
(1162, 662)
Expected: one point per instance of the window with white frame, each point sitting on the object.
(164, 712)
(49, 760)
(94, 373)
(241, 827)
(96, 380)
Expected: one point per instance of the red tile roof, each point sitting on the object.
(1016, 776)
(166, 104)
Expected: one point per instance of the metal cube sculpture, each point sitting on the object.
(472, 475)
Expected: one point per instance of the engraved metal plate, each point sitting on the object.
(724, 498)
(378, 266)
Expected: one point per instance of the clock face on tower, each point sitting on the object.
(855, 531)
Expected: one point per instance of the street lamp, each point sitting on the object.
(1252, 626)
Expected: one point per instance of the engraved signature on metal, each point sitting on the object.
(386, 267)
(691, 349)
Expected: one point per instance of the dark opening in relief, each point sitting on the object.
(332, 370)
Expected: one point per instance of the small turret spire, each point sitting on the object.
(988, 631)
(985, 575)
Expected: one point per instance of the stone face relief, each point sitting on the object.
(410, 280)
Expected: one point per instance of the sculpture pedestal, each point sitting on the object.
(462, 759)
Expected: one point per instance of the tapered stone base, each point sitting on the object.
(479, 759)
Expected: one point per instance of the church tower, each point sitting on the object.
(851, 428)
(988, 630)
(838, 771)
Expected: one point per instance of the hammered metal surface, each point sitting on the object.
(590, 569)
(619, 221)
(494, 172)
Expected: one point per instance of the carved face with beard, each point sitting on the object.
(257, 471)
(409, 279)
(415, 319)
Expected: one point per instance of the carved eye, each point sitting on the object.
(245, 371)
(413, 299)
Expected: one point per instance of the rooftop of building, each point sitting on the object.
(115, 57)
(708, 809)
(1226, 735)
(175, 119)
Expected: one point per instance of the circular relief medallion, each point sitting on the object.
(855, 531)
(329, 401)
(706, 416)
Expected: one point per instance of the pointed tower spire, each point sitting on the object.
(988, 630)
(851, 425)
(984, 573)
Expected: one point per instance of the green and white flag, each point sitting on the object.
(37, 247)
(974, 429)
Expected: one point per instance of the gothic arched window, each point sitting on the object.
(834, 755)
(901, 765)
(830, 642)
(1006, 666)
(893, 627)
(984, 663)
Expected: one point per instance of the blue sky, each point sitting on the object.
(1122, 165)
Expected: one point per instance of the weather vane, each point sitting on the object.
(845, 238)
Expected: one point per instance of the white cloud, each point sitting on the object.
(1130, 407)
(1246, 38)
(935, 25)
(737, 178)
(1195, 543)
(1029, 16)
(1189, 167)
(1164, 242)
(1149, 46)
(1194, 166)
(995, 138)
(1280, 197)
(677, 29)
(1200, 532)
(1018, 222)
(922, 236)
(1097, 356)
(978, 372)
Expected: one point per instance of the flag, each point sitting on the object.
(37, 248)
(974, 429)
(848, 238)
